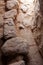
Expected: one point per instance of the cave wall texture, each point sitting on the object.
(21, 32)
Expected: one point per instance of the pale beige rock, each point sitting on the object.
(26, 20)
(2, 7)
(12, 4)
(23, 7)
(41, 49)
(9, 28)
(1, 26)
(2, 3)
(20, 17)
(26, 1)
(10, 14)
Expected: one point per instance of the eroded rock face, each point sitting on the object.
(41, 45)
(15, 46)
(9, 28)
(10, 4)
(41, 49)
(18, 63)
(21, 29)
(1, 27)
(10, 14)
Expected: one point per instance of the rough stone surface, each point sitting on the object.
(1, 26)
(21, 19)
(10, 14)
(33, 54)
(18, 63)
(15, 46)
(41, 45)
(9, 28)
(12, 4)
(2, 7)
(41, 49)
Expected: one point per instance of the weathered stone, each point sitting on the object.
(18, 63)
(2, 3)
(17, 58)
(35, 57)
(12, 4)
(23, 7)
(37, 36)
(1, 26)
(26, 20)
(26, 14)
(1, 21)
(9, 28)
(20, 17)
(2, 6)
(10, 14)
(26, 1)
(1, 32)
(33, 53)
(14, 46)
(41, 49)
(20, 26)
(41, 42)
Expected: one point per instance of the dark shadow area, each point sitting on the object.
(7, 59)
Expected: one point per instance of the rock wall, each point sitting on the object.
(21, 32)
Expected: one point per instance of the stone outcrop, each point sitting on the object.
(21, 32)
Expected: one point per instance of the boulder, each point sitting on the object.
(14, 46)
